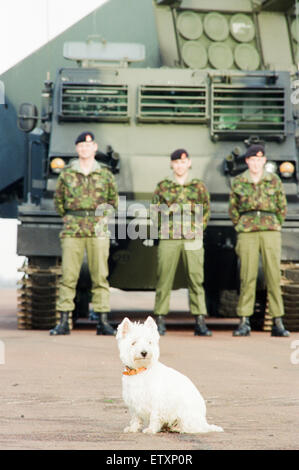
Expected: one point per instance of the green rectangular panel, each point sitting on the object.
(86, 102)
(241, 111)
(176, 103)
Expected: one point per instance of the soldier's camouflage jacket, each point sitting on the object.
(266, 199)
(77, 191)
(180, 211)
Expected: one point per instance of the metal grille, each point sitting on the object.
(243, 111)
(176, 104)
(93, 102)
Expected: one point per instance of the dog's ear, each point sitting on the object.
(123, 328)
(150, 323)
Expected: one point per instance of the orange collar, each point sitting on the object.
(129, 371)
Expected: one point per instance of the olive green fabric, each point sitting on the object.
(249, 247)
(181, 198)
(169, 252)
(266, 199)
(97, 251)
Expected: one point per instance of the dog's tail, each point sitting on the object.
(214, 428)
(201, 427)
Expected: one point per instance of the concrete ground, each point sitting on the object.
(65, 392)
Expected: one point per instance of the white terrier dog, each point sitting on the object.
(158, 396)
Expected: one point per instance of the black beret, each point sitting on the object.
(254, 149)
(85, 137)
(179, 153)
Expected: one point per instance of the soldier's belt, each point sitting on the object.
(82, 213)
(258, 213)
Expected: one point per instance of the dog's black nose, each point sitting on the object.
(143, 353)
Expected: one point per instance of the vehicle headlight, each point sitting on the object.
(271, 167)
(57, 164)
(287, 169)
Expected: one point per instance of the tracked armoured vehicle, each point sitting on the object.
(225, 82)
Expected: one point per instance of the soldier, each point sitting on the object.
(258, 208)
(181, 192)
(81, 188)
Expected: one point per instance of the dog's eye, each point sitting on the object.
(134, 342)
(149, 342)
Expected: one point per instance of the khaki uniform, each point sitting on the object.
(258, 211)
(77, 198)
(97, 251)
(169, 252)
(181, 237)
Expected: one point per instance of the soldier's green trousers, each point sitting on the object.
(249, 247)
(97, 251)
(169, 252)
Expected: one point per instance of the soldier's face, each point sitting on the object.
(256, 164)
(181, 166)
(86, 149)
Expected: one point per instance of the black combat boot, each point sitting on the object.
(201, 328)
(103, 327)
(278, 328)
(161, 324)
(63, 327)
(243, 328)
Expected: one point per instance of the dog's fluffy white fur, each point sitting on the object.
(158, 397)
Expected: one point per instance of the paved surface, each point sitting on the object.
(65, 392)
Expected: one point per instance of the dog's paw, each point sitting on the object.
(149, 431)
(130, 429)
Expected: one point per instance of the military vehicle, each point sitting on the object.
(226, 82)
